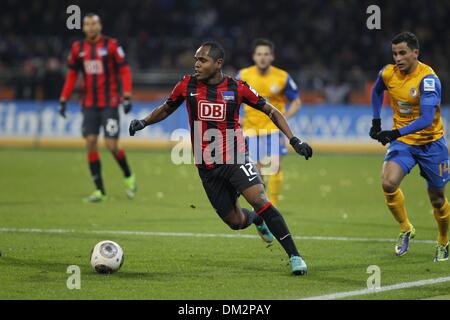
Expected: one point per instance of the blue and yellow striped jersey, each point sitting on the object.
(276, 86)
(408, 93)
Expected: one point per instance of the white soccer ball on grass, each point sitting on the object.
(107, 257)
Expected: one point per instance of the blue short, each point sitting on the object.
(432, 159)
(263, 146)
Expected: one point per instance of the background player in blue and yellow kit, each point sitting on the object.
(266, 143)
(417, 137)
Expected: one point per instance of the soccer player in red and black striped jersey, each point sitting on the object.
(220, 152)
(102, 62)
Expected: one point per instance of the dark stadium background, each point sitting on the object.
(324, 44)
(175, 245)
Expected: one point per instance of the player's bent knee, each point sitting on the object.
(438, 204)
(389, 186)
(234, 220)
(438, 201)
(234, 226)
(259, 202)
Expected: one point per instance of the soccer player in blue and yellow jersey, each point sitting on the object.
(265, 140)
(417, 137)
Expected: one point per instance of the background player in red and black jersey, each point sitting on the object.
(213, 101)
(102, 61)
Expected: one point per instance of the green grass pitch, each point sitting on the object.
(329, 195)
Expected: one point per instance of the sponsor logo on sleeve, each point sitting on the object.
(429, 84)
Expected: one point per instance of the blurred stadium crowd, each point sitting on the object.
(324, 44)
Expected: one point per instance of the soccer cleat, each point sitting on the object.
(298, 266)
(441, 253)
(264, 232)
(403, 242)
(131, 186)
(96, 196)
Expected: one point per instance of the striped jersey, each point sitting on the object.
(213, 110)
(102, 64)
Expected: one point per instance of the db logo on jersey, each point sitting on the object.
(93, 67)
(212, 111)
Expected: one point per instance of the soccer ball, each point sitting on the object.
(107, 257)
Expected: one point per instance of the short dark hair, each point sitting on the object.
(408, 37)
(216, 50)
(92, 14)
(263, 42)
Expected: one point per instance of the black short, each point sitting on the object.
(224, 184)
(106, 118)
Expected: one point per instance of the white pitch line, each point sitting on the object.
(402, 285)
(333, 296)
(193, 235)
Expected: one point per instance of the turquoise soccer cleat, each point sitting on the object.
(264, 232)
(298, 266)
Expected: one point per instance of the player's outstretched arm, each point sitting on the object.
(294, 107)
(278, 119)
(302, 148)
(377, 102)
(157, 115)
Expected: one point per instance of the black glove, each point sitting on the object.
(375, 129)
(388, 136)
(136, 125)
(302, 148)
(126, 104)
(62, 109)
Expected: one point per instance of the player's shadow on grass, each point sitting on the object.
(43, 266)
(144, 275)
(51, 266)
(242, 266)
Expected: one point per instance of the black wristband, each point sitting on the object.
(376, 122)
